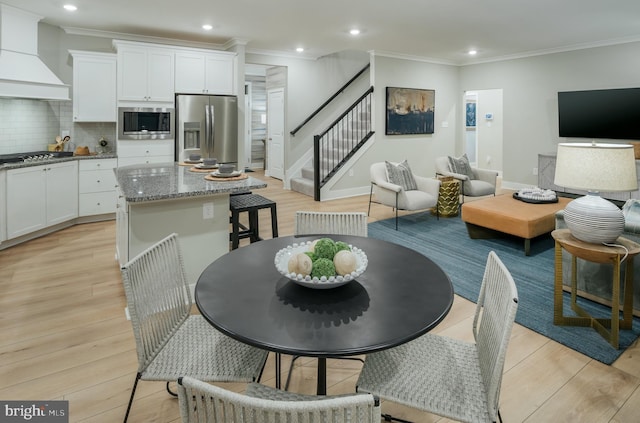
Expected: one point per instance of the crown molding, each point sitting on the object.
(565, 49)
(278, 53)
(140, 38)
(301, 56)
(390, 54)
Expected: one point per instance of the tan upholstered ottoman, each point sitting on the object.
(505, 214)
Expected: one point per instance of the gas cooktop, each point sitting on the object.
(33, 156)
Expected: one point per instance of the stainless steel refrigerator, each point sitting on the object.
(207, 125)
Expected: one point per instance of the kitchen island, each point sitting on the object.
(155, 200)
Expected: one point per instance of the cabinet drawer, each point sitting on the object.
(97, 181)
(98, 164)
(126, 161)
(145, 149)
(97, 203)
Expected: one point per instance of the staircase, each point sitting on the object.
(339, 144)
(335, 146)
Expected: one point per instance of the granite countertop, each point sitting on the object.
(18, 165)
(165, 181)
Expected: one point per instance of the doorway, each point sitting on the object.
(256, 121)
(483, 128)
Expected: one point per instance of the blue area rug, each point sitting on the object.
(447, 243)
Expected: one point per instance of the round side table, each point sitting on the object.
(448, 197)
(597, 253)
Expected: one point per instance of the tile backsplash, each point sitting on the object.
(29, 125)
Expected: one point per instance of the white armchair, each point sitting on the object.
(482, 183)
(395, 196)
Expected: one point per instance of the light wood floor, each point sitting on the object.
(64, 336)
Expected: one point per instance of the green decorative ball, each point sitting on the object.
(323, 267)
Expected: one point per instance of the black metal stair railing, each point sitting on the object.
(344, 137)
(326, 103)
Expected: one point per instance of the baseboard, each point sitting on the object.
(55, 228)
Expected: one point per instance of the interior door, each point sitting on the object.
(275, 133)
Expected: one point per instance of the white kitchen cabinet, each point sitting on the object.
(145, 72)
(199, 72)
(141, 152)
(94, 86)
(3, 208)
(96, 187)
(41, 196)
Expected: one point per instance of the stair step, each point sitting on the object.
(307, 173)
(302, 185)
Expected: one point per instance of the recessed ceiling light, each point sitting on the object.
(354, 31)
(207, 27)
(299, 49)
(473, 52)
(70, 7)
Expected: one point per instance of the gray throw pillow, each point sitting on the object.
(461, 165)
(400, 174)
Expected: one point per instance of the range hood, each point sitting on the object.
(22, 73)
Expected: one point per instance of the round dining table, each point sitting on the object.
(401, 295)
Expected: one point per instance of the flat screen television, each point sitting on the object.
(612, 114)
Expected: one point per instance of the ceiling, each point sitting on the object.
(439, 31)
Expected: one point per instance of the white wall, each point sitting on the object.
(530, 87)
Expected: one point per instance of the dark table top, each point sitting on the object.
(401, 295)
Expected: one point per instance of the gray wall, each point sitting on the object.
(309, 84)
(530, 87)
(489, 132)
(419, 150)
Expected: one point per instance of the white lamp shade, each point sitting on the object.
(596, 167)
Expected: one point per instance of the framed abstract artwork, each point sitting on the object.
(409, 111)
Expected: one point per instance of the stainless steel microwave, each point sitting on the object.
(144, 123)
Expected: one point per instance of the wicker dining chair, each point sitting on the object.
(336, 223)
(170, 341)
(449, 377)
(202, 402)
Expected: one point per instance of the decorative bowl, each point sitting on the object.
(282, 264)
(226, 168)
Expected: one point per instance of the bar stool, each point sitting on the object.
(250, 203)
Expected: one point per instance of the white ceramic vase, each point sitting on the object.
(593, 219)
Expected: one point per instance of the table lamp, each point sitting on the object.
(595, 168)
